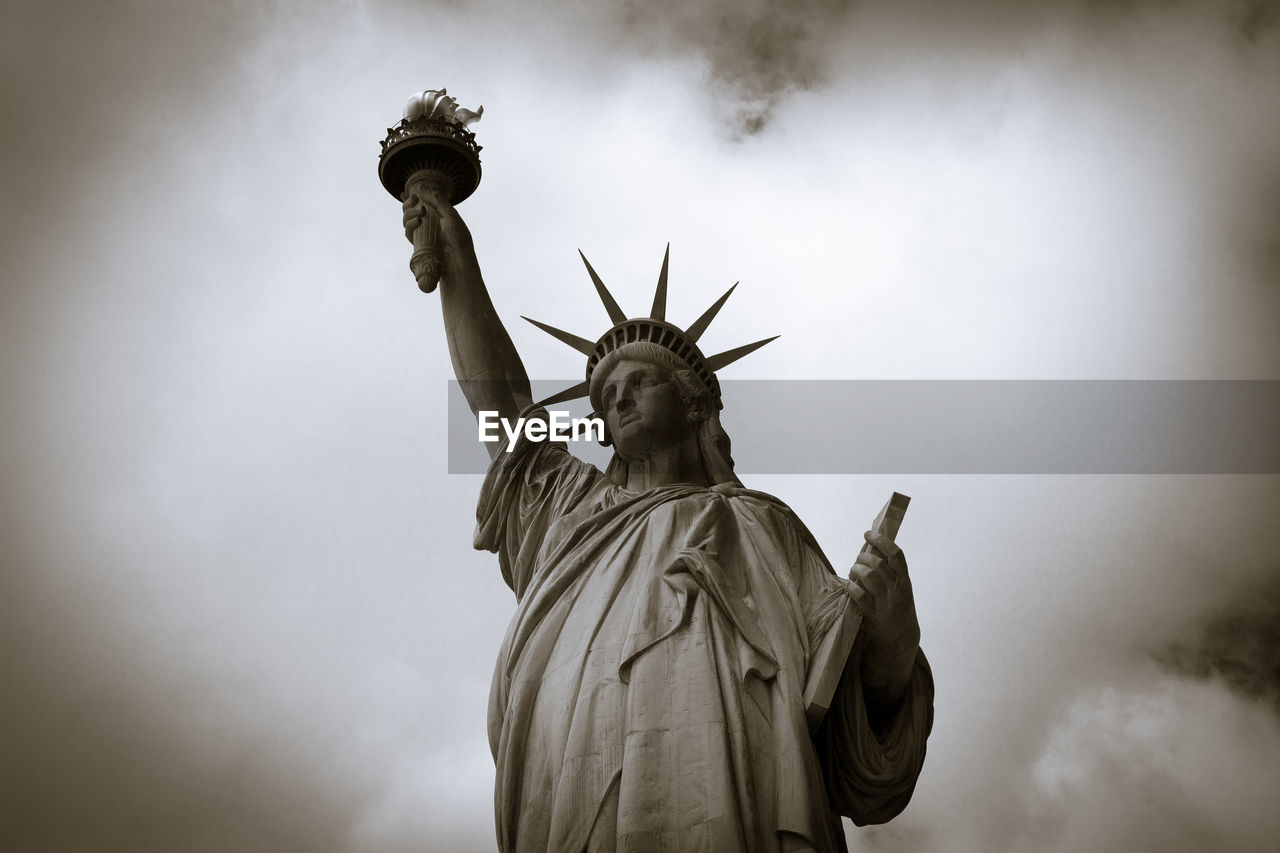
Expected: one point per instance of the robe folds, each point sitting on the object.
(648, 695)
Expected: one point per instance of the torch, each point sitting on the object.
(430, 148)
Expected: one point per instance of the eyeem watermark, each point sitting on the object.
(558, 426)
(970, 426)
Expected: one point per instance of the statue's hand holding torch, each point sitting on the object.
(432, 223)
(430, 161)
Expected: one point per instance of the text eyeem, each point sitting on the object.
(558, 426)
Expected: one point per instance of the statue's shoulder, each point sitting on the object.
(757, 501)
(770, 510)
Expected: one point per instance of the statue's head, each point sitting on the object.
(651, 384)
(652, 401)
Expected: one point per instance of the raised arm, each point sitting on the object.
(485, 361)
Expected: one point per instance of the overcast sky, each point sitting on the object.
(239, 609)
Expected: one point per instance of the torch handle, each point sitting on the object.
(427, 262)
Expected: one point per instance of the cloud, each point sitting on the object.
(1166, 765)
(757, 53)
(1238, 647)
(1180, 758)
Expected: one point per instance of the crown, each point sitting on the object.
(654, 329)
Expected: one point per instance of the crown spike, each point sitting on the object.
(659, 310)
(582, 345)
(700, 325)
(616, 314)
(728, 357)
(573, 392)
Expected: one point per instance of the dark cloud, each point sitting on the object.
(1258, 19)
(758, 52)
(1239, 646)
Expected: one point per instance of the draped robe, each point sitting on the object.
(648, 694)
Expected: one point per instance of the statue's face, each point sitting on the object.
(643, 409)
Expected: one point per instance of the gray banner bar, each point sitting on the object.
(970, 427)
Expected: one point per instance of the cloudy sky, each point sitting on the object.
(239, 609)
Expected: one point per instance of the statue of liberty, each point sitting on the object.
(651, 691)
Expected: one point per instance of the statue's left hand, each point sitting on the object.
(881, 589)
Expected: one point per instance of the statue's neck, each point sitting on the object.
(668, 466)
